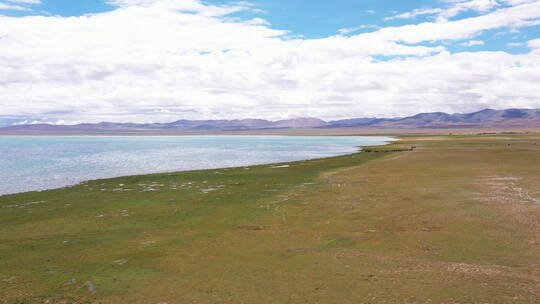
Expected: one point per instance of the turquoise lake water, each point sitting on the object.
(29, 163)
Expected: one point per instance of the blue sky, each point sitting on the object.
(155, 60)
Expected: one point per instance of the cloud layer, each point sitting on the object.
(161, 60)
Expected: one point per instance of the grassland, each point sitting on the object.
(457, 220)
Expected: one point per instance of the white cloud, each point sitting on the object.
(26, 1)
(455, 8)
(517, 2)
(5, 6)
(473, 43)
(258, 21)
(44, 121)
(460, 6)
(152, 60)
(357, 28)
(517, 16)
(534, 44)
(415, 13)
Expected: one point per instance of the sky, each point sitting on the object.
(66, 61)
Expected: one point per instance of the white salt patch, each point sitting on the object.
(121, 261)
(23, 205)
(212, 189)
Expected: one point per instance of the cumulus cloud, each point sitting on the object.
(534, 44)
(161, 60)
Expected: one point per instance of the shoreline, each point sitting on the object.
(350, 131)
(359, 149)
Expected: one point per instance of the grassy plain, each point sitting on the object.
(457, 220)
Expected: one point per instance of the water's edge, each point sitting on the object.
(390, 140)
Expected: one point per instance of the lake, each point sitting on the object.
(29, 163)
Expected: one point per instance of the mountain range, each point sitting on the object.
(488, 118)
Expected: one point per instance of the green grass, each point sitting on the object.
(454, 221)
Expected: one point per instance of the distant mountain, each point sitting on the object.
(176, 126)
(488, 118)
(300, 123)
